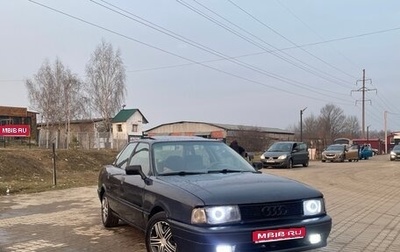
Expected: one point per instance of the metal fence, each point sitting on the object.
(79, 140)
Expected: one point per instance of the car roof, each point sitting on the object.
(172, 139)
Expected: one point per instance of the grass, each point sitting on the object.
(25, 170)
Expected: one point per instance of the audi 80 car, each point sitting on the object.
(196, 194)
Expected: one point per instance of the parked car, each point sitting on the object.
(340, 153)
(286, 154)
(395, 153)
(334, 152)
(366, 152)
(195, 194)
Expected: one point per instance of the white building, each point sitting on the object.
(127, 124)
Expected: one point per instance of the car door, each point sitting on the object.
(132, 186)
(352, 153)
(296, 154)
(301, 153)
(116, 175)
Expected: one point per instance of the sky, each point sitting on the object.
(255, 63)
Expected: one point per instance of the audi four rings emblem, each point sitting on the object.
(274, 211)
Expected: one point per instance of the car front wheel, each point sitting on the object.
(159, 235)
(107, 216)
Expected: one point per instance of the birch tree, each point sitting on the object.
(105, 73)
(56, 93)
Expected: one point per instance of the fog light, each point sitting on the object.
(225, 248)
(314, 238)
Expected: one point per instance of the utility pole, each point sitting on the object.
(301, 123)
(385, 126)
(363, 89)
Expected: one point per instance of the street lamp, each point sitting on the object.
(301, 123)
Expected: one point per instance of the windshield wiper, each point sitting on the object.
(224, 171)
(181, 173)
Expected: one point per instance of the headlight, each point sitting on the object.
(215, 215)
(313, 207)
(392, 153)
(282, 156)
(262, 156)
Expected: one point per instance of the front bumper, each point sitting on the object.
(333, 158)
(199, 239)
(275, 162)
(395, 156)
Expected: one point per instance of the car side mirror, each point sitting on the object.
(135, 170)
(257, 165)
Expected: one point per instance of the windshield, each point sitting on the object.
(396, 147)
(281, 147)
(335, 148)
(197, 157)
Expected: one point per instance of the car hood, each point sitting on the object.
(332, 152)
(275, 153)
(241, 188)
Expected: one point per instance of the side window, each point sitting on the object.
(119, 127)
(141, 157)
(134, 128)
(124, 155)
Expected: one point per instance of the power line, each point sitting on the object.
(290, 41)
(207, 49)
(313, 70)
(317, 34)
(174, 54)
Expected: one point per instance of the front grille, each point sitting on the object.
(271, 211)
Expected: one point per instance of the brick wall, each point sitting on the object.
(13, 111)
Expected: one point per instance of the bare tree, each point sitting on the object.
(106, 82)
(252, 139)
(351, 127)
(331, 122)
(56, 93)
(42, 92)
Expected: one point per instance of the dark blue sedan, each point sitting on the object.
(196, 194)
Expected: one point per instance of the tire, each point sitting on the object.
(290, 164)
(306, 164)
(323, 161)
(108, 218)
(159, 236)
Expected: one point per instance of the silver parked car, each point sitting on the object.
(395, 153)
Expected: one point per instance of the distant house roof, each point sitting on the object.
(245, 127)
(124, 114)
(232, 127)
